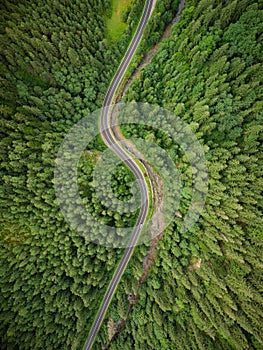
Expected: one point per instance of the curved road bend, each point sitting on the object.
(109, 139)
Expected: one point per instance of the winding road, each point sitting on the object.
(111, 141)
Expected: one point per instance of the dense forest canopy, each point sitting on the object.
(56, 64)
(203, 290)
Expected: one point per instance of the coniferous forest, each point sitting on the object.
(204, 287)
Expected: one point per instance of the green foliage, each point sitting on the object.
(117, 22)
(204, 289)
(162, 15)
(56, 65)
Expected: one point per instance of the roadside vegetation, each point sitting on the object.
(56, 65)
(204, 289)
(116, 23)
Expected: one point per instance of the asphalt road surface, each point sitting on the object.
(110, 140)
